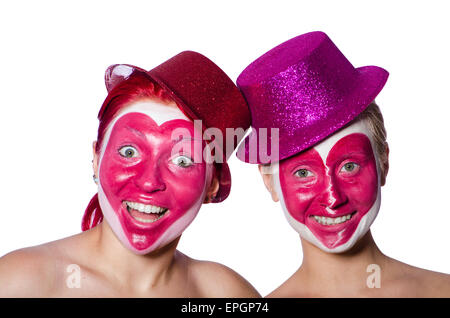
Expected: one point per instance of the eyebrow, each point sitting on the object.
(135, 131)
(353, 153)
(304, 162)
(141, 134)
(348, 155)
(185, 138)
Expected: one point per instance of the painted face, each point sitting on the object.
(331, 193)
(148, 192)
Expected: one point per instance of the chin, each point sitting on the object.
(361, 229)
(144, 243)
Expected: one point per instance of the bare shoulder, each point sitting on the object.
(34, 271)
(217, 280)
(421, 282)
(26, 273)
(430, 283)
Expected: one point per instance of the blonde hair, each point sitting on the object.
(375, 122)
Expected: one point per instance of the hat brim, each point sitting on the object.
(224, 176)
(370, 81)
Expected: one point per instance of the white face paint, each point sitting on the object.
(147, 197)
(327, 205)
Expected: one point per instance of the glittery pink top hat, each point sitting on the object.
(307, 89)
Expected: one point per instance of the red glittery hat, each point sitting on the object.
(203, 91)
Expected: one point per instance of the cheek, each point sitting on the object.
(114, 174)
(185, 186)
(362, 189)
(298, 198)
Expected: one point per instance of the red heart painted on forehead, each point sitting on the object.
(143, 126)
(356, 144)
(142, 130)
(144, 122)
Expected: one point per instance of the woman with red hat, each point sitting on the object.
(154, 167)
(328, 161)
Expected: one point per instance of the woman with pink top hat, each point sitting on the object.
(154, 167)
(320, 142)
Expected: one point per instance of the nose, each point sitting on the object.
(150, 179)
(333, 197)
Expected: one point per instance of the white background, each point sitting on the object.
(53, 56)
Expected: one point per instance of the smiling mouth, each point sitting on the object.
(323, 220)
(145, 213)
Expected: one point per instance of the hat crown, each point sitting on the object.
(303, 73)
(315, 46)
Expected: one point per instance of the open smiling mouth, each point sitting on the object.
(145, 213)
(323, 220)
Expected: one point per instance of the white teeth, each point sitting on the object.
(145, 208)
(331, 221)
(149, 221)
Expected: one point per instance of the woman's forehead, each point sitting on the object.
(325, 146)
(159, 112)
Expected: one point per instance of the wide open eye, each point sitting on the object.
(349, 167)
(128, 152)
(182, 161)
(303, 173)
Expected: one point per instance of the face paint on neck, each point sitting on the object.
(147, 193)
(331, 193)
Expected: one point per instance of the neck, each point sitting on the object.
(333, 272)
(130, 269)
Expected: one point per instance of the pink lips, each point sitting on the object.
(149, 176)
(346, 184)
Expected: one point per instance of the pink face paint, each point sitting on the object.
(149, 193)
(331, 188)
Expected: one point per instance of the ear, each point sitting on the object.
(385, 166)
(95, 159)
(268, 182)
(212, 190)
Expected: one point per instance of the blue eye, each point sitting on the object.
(349, 167)
(303, 173)
(183, 161)
(128, 152)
